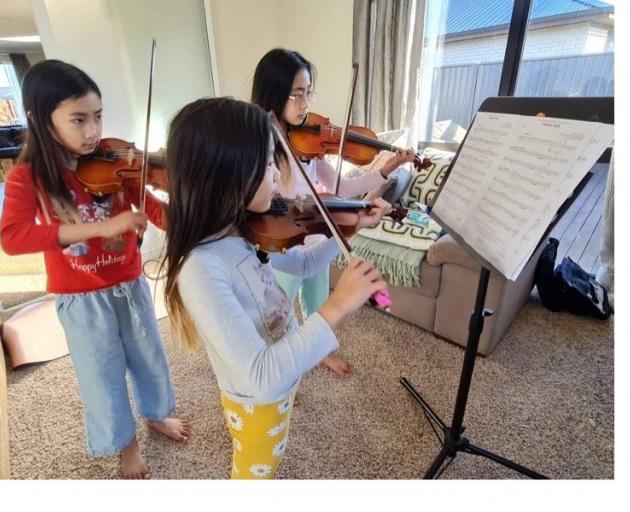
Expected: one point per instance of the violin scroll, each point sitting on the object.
(421, 163)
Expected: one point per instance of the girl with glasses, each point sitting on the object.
(284, 84)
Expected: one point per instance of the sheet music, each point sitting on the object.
(583, 164)
(510, 178)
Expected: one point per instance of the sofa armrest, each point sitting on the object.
(447, 250)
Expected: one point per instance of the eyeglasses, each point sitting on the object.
(304, 97)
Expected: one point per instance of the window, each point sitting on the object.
(568, 50)
(462, 58)
(10, 95)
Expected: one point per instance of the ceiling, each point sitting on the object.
(16, 19)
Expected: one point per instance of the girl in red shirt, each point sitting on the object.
(92, 263)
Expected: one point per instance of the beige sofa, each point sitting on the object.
(445, 298)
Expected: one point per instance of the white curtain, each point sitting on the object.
(387, 44)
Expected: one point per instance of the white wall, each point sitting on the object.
(182, 65)
(322, 32)
(244, 30)
(34, 58)
(82, 33)
(111, 41)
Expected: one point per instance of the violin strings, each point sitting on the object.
(124, 153)
(367, 140)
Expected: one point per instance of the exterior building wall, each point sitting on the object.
(576, 39)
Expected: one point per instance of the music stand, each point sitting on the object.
(584, 109)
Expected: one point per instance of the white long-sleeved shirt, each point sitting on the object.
(256, 348)
(320, 171)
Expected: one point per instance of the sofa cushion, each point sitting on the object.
(425, 182)
(447, 250)
(438, 155)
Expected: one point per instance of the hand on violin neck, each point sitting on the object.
(371, 218)
(395, 161)
(358, 282)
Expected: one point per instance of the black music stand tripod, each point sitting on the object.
(452, 440)
(584, 109)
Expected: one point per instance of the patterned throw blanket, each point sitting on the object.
(397, 249)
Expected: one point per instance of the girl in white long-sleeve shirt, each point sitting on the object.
(283, 84)
(221, 292)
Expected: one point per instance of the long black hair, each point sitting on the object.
(273, 79)
(216, 159)
(45, 86)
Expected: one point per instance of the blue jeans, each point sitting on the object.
(111, 332)
(313, 290)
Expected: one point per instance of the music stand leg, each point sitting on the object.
(452, 440)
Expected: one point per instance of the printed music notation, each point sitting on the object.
(509, 180)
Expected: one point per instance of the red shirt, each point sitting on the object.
(81, 267)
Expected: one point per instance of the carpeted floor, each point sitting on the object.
(544, 398)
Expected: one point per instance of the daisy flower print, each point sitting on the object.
(283, 406)
(233, 419)
(260, 470)
(274, 431)
(279, 449)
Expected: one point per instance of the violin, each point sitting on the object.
(317, 137)
(289, 221)
(117, 165)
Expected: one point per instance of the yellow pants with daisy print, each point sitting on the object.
(259, 436)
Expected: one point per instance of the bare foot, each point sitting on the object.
(173, 428)
(132, 466)
(337, 364)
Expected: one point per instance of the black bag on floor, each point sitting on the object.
(569, 287)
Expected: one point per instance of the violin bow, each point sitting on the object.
(344, 130)
(382, 299)
(379, 299)
(145, 151)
